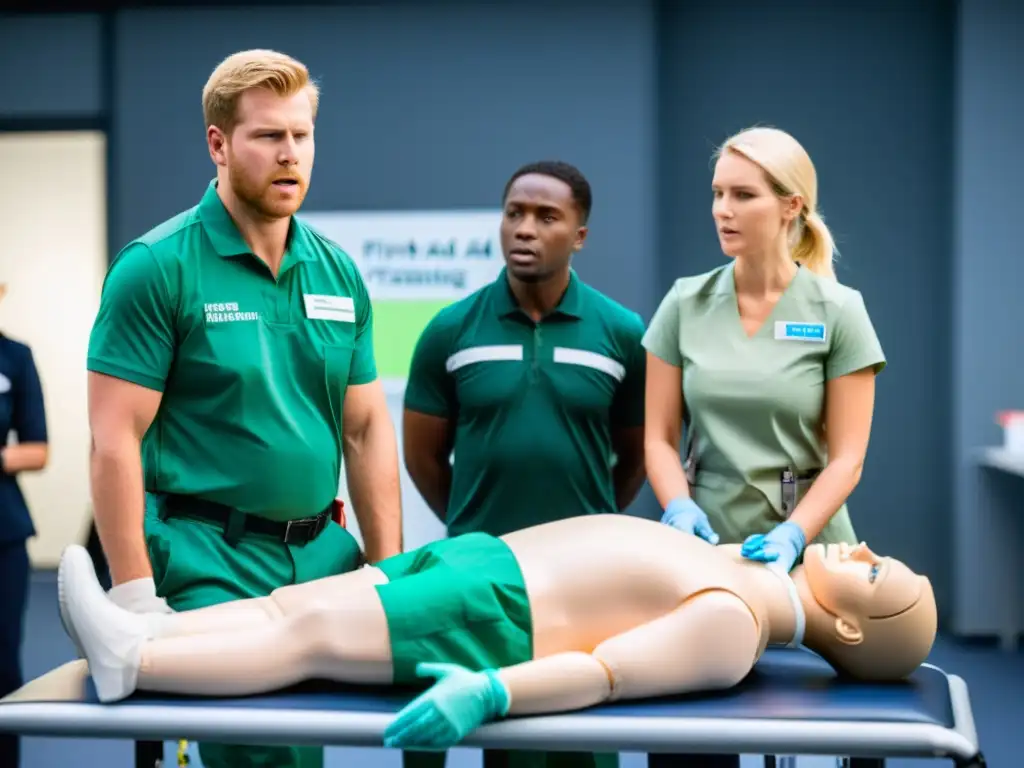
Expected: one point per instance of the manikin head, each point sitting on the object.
(546, 206)
(765, 192)
(260, 107)
(870, 617)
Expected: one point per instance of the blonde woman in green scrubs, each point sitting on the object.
(771, 364)
(771, 361)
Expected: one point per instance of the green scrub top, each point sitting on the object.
(535, 404)
(252, 369)
(754, 405)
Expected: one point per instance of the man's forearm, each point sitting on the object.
(371, 469)
(119, 507)
(559, 683)
(433, 480)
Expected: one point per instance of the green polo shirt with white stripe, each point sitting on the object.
(252, 369)
(534, 404)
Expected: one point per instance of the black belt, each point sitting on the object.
(236, 523)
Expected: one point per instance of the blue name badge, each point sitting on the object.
(786, 331)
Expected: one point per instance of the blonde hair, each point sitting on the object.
(246, 70)
(789, 170)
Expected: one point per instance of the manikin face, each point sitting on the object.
(856, 585)
(541, 228)
(269, 153)
(750, 218)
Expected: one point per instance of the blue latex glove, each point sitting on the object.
(683, 513)
(781, 546)
(443, 715)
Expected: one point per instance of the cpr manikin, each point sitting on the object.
(619, 607)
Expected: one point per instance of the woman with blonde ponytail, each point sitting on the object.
(770, 362)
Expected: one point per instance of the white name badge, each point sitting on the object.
(340, 309)
(789, 331)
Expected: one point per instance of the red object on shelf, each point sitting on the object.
(1005, 417)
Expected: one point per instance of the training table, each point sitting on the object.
(792, 704)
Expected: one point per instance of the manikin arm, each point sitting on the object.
(710, 642)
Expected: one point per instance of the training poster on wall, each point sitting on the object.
(414, 263)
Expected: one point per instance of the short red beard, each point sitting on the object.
(252, 192)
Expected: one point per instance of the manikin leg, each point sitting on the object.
(346, 641)
(336, 630)
(258, 612)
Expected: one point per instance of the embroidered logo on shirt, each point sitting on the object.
(227, 312)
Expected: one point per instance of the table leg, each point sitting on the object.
(149, 754)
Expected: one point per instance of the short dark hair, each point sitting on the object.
(565, 172)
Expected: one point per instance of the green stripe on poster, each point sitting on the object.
(397, 326)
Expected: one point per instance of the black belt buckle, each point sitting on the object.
(305, 529)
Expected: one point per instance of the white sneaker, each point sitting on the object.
(110, 637)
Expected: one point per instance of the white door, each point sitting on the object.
(53, 256)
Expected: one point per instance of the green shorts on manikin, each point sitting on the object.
(460, 601)
(463, 600)
(194, 567)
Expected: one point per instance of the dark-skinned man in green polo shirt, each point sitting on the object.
(536, 384)
(231, 369)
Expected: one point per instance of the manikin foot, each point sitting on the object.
(110, 638)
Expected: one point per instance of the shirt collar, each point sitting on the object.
(227, 240)
(504, 302)
(725, 283)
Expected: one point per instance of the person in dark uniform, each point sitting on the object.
(23, 414)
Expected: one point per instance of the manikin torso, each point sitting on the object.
(592, 578)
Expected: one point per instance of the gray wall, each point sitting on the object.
(910, 116)
(52, 66)
(988, 313)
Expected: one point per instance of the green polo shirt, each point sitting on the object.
(252, 369)
(534, 404)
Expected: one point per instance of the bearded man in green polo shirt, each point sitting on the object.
(231, 369)
(536, 383)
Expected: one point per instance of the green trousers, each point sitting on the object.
(194, 567)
